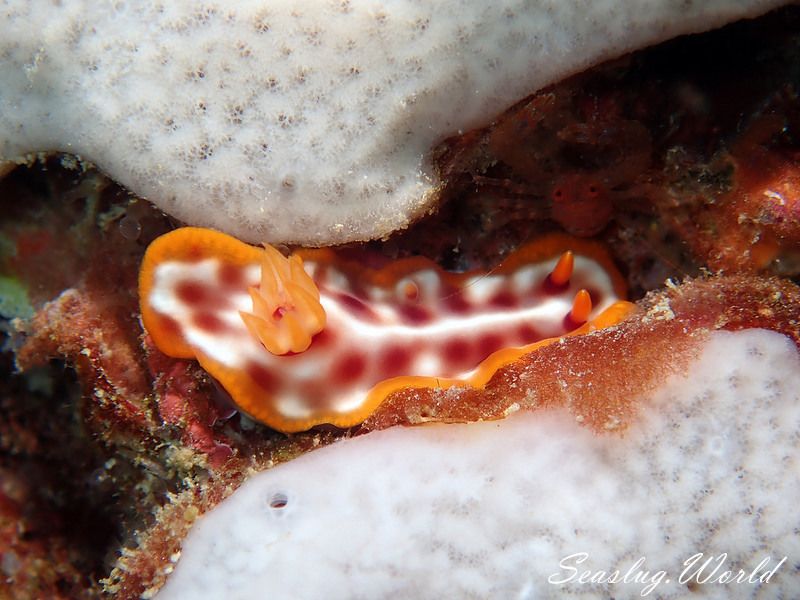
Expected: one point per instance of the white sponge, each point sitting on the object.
(521, 508)
(297, 121)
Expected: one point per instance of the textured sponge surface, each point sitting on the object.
(286, 121)
(508, 509)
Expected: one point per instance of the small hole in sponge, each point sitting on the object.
(278, 501)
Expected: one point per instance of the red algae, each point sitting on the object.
(183, 403)
(106, 357)
(41, 565)
(754, 225)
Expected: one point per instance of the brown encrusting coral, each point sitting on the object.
(109, 450)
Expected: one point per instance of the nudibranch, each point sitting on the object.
(315, 338)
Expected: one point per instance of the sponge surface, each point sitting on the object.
(307, 122)
(519, 508)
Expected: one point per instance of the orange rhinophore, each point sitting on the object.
(315, 338)
(581, 307)
(563, 270)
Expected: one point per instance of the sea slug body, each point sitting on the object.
(404, 325)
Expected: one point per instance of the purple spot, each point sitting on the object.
(323, 339)
(195, 293)
(231, 276)
(548, 287)
(349, 368)
(208, 322)
(488, 343)
(456, 303)
(503, 299)
(192, 292)
(263, 377)
(528, 334)
(414, 315)
(395, 361)
(355, 306)
(457, 353)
